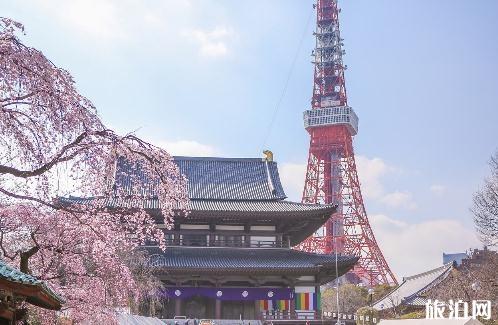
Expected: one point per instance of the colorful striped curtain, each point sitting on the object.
(308, 301)
(274, 305)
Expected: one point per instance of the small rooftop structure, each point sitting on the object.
(16, 286)
(410, 291)
(454, 257)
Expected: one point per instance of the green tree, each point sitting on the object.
(351, 297)
(380, 291)
(362, 314)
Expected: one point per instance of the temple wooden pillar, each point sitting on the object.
(318, 312)
(217, 309)
(178, 307)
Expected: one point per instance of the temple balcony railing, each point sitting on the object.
(202, 242)
(266, 317)
(290, 315)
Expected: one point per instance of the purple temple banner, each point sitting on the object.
(229, 293)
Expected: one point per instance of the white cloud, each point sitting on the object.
(187, 148)
(399, 199)
(100, 19)
(292, 176)
(438, 189)
(411, 248)
(150, 26)
(212, 43)
(370, 173)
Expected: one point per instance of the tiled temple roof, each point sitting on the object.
(215, 206)
(232, 185)
(225, 189)
(246, 260)
(231, 178)
(410, 290)
(248, 179)
(41, 296)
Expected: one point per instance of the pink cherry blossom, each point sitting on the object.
(52, 144)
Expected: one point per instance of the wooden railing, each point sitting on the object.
(225, 243)
(287, 314)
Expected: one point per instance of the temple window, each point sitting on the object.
(263, 241)
(230, 227)
(263, 228)
(194, 240)
(230, 240)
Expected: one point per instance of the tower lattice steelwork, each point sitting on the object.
(331, 175)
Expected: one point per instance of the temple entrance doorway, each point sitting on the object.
(231, 309)
(199, 307)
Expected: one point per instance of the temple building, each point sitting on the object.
(412, 292)
(464, 276)
(16, 288)
(231, 257)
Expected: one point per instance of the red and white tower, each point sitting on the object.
(331, 175)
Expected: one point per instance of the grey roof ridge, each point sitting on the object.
(218, 158)
(238, 200)
(227, 247)
(266, 200)
(416, 276)
(217, 247)
(437, 280)
(312, 204)
(74, 197)
(258, 249)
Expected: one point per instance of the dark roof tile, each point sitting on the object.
(207, 205)
(228, 259)
(217, 178)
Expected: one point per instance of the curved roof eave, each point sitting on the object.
(420, 283)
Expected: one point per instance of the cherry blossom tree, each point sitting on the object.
(53, 144)
(475, 279)
(485, 207)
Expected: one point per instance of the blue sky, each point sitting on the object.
(203, 77)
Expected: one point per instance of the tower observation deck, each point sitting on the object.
(331, 176)
(335, 115)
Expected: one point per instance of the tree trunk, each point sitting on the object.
(24, 267)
